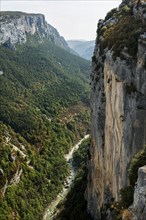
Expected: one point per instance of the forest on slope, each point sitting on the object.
(44, 97)
(75, 206)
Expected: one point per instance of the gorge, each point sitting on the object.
(44, 97)
(45, 110)
(51, 211)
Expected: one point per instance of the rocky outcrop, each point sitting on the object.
(139, 204)
(17, 153)
(14, 181)
(16, 178)
(118, 103)
(3, 190)
(17, 26)
(139, 10)
(138, 210)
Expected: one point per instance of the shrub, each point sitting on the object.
(126, 196)
(122, 35)
(110, 13)
(139, 160)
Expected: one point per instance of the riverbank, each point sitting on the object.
(51, 210)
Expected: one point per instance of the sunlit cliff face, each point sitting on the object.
(118, 105)
(16, 27)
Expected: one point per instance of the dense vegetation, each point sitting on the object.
(138, 160)
(122, 36)
(75, 206)
(44, 109)
(118, 35)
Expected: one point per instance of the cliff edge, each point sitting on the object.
(15, 27)
(118, 104)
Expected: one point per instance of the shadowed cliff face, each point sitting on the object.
(16, 26)
(118, 103)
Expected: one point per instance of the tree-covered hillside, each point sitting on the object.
(44, 96)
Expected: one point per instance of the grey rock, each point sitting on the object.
(138, 210)
(3, 190)
(1, 172)
(16, 178)
(17, 26)
(118, 125)
(1, 72)
(139, 204)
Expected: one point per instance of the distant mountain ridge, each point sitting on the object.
(82, 47)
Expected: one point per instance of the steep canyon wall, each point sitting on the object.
(118, 103)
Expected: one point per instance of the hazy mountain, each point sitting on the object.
(83, 48)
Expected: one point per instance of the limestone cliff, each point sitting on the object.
(15, 27)
(138, 209)
(118, 103)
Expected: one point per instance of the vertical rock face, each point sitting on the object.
(139, 204)
(138, 210)
(15, 27)
(118, 103)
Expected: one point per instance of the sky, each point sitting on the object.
(73, 19)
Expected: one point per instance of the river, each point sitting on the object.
(51, 209)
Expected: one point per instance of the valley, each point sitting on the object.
(73, 132)
(52, 209)
(82, 48)
(44, 111)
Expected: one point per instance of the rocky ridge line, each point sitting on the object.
(15, 27)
